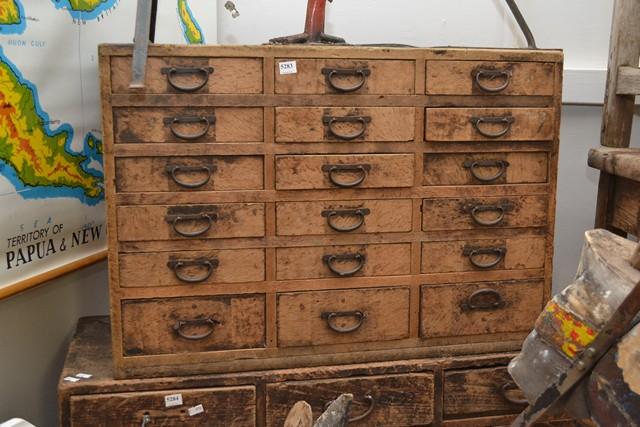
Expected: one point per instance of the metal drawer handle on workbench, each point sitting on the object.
(209, 322)
(178, 265)
(500, 209)
(477, 123)
(171, 72)
(507, 391)
(208, 218)
(330, 73)
(474, 165)
(331, 316)
(480, 74)
(368, 398)
(473, 253)
(483, 300)
(334, 170)
(329, 260)
(330, 121)
(332, 213)
(174, 170)
(207, 121)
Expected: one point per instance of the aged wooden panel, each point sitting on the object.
(484, 212)
(389, 400)
(224, 406)
(345, 316)
(344, 124)
(490, 78)
(191, 267)
(479, 308)
(343, 217)
(192, 324)
(182, 173)
(343, 261)
(347, 76)
(490, 124)
(351, 171)
(626, 202)
(223, 220)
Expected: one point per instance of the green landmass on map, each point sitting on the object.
(85, 5)
(9, 12)
(192, 31)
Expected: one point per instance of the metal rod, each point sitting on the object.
(141, 42)
(522, 23)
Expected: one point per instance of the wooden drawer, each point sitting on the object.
(225, 406)
(479, 308)
(202, 173)
(224, 220)
(490, 78)
(333, 171)
(191, 75)
(347, 76)
(343, 316)
(485, 168)
(188, 125)
(343, 217)
(484, 212)
(514, 253)
(389, 400)
(191, 267)
(336, 124)
(490, 124)
(192, 324)
(343, 261)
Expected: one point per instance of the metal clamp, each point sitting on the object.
(208, 264)
(330, 73)
(207, 121)
(329, 260)
(208, 218)
(330, 121)
(474, 165)
(473, 253)
(171, 72)
(332, 213)
(331, 316)
(332, 170)
(174, 170)
(209, 322)
(507, 121)
(483, 300)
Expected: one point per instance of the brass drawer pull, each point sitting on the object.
(480, 74)
(174, 170)
(209, 322)
(359, 213)
(330, 73)
(477, 123)
(473, 253)
(207, 121)
(207, 218)
(178, 265)
(508, 390)
(333, 170)
(329, 260)
(368, 398)
(171, 72)
(483, 300)
(331, 316)
(331, 121)
(500, 209)
(473, 166)
(146, 419)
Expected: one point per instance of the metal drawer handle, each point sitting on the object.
(474, 165)
(473, 253)
(368, 398)
(359, 213)
(501, 209)
(507, 393)
(480, 74)
(331, 316)
(330, 73)
(483, 300)
(209, 322)
(331, 121)
(208, 264)
(146, 420)
(332, 170)
(507, 121)
(171, 72)
(329, 260)
(207, 121)
(208, 218)
(174, 170)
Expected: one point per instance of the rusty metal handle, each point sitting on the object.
(330, 73)
(473, 253)
(372, 403)
(331, 316)
(208, 264)
(473, 166)
(174, 170)
(480, 74)
(507, 121)
(330, 121)
(207, 121)
(171, 72)
(484, 208)
(360, 213)
(329, 260)
(182, 324)
(208, 218)
(332, 170)
(509, 387)
(472, 303)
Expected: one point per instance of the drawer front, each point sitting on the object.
(343, 261)
(352, 171)
(485, 168)
(203, 173)
(343, 217)
(341, 317)
(225, 220)
(191, 75)
(227, 406)
(191, 267)
(484, 212)
(188, 125)
(390, 400)
(347, 76)
(490, 78)
(479, 308)
(344, 124)
(192, 324)
(517, 253)
(490, 124)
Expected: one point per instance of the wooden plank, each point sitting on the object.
(622, 162)
(628, 81)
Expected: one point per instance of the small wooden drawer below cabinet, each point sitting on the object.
(343, 217)
(344, 124)
(193, 324)
(484, 212)
(490, 124)
(351, 171)
(343, 316)
(389, 400)
(191, 267)
(512, 253)
(202, 173)
(224, 220)
(188, 125)
(343, 261)
(479, 308)
(485, 169)
(208, 407)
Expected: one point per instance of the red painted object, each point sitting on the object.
(313, 27)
